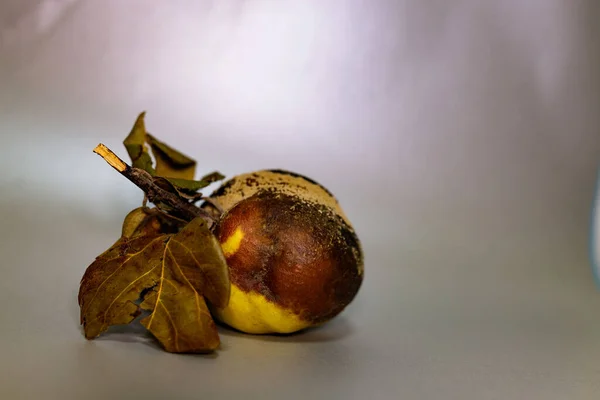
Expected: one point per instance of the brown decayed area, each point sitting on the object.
(296, 253)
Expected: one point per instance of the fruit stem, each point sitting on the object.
(160, 197)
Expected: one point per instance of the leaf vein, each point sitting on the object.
(120, 294)
(191, 286)
(198, 264)
(159, 292)
(176, 340)
(114, 272)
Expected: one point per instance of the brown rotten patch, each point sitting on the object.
(296, 253)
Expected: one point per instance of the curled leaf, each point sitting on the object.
(188, 186)
(133, 220)
(171, 163)
(169, 273)
(144, 221)
(184, 187)
(135, 143)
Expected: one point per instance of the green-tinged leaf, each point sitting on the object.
(135, 143)
(170, 272)
(171, 163)
(187, 189)
(190, 187)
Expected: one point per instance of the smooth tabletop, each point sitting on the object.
(461, 139)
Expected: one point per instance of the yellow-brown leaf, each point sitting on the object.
(114, 281)
(171, 163)
(180, 319)
(169, 273)
(199, 258)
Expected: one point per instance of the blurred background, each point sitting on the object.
(461, 138)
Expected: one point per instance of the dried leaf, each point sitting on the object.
(171, 163)
(184, 187)
(188, 186)
(144, 221)
(135, 143)
(114, 281)
(214, 176)
(201, 259)
(133, 220)
(171, 273)
(180, 319)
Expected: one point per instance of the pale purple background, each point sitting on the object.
(461, 137)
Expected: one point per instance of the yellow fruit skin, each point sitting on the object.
(294, 259)
(251, 312)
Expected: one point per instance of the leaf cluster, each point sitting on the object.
(173, 170)
(161, 264)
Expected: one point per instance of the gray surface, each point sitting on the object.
(461, 138)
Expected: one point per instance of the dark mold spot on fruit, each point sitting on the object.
(251, 182)
(223, 188)
(295, 175)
